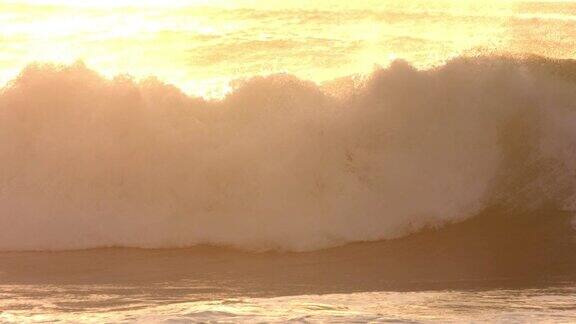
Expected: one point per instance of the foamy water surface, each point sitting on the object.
(22, 304)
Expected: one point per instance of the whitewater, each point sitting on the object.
(281, 163)
(406, 195)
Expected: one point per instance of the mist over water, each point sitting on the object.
(273, 161)
(280, 163)
(201, 45)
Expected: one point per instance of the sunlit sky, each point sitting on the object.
(200, 45)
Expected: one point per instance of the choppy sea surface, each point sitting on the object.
(180, 304)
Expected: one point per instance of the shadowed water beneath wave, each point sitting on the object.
(490, 268)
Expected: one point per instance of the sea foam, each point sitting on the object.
(279, 163)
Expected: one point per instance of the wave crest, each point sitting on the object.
(279, 163)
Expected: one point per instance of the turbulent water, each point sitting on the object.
(436, 188)
(459, 176)
(532, 305)
(281, 164)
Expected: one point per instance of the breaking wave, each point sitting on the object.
(281, 163)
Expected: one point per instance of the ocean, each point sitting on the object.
(259, 162)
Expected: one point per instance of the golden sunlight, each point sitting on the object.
(201, 45)
(278, 161)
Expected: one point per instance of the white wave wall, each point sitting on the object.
(87, 162)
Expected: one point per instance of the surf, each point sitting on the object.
(282, 164)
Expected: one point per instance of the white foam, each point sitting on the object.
(87, 162)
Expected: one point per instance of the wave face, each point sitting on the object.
(280, 164)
